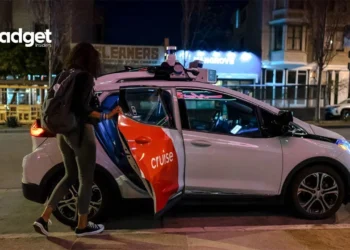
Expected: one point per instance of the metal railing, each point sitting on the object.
(25, 114)
(21, 99)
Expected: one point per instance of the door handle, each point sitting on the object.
(142, 140)
(201, 143)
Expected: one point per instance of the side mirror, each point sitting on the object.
(284, 117)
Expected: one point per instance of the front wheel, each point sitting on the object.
(345, 114)
(317, 192)
(66, 211)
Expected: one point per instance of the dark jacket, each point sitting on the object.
(83, 101)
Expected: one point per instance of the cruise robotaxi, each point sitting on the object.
(183, 138)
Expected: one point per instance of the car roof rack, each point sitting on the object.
(126, 69)
(170, 70)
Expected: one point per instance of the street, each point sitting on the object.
(17, 214)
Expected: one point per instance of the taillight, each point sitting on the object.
(37, 131)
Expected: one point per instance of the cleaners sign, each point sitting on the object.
(131, 55)
(39, 39)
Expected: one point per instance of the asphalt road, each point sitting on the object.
(17, 214)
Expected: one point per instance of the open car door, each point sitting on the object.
(153, 144)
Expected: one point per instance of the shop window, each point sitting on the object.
(258, 93)
(269, 93)
(232, 82)
(246, 82)
(269, 76)
(279, 76)
(279, 92)
(291, 93)
(301, 77)
(294, 40)
(292, 75)
(278, 41)
(301, 92)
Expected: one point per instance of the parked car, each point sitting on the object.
(183, 137)
(338, 111)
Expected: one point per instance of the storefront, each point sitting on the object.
(236, 70)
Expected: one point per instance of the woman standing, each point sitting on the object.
(78, 147)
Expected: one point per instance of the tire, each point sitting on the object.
(345, 114)
(101, 199)
(312, 204)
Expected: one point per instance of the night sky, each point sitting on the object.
(146, 22)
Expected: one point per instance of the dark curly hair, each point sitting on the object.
(85, 57)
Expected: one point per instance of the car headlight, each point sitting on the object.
(343, 144)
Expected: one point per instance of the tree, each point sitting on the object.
(324, 23)
(18, 60)
(203, 25)
(56, 14)
(193, 13)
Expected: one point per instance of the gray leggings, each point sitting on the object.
(79, 162)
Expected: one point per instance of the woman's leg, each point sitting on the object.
(69, 179)
(61, 189)
(86, 161)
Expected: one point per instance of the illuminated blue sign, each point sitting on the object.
(223, 61)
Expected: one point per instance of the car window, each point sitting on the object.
(208, 111)
(149, 105)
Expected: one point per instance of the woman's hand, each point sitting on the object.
(116, 110)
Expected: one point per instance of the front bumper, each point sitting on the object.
(332, 112)
(33, 192)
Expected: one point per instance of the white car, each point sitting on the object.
(182, 136)
(341, 110)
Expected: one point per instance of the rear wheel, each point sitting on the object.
(100, 204)
(317, 192)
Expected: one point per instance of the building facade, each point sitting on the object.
(278, 31)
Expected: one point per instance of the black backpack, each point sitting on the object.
(57, 117)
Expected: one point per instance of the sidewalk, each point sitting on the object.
(261, 238)
(331, 124)
(22, 129)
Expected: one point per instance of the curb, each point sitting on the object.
(194, 230)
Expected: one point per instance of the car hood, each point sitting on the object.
(312, 129)
(325, 132)
(332, 106)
